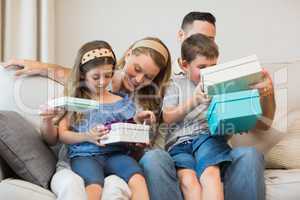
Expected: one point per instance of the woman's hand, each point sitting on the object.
(145, 116)
(264, 87)
(27, 67)
(96, 134)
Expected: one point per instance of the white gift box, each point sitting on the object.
(127, 132)
(231, 76)
(73, 104)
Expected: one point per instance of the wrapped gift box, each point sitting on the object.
(74, 104)
(235, 112)
(231, 76)
(127, 132)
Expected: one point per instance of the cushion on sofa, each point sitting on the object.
(23, 149)
(282, 184)
(286, 154)
(18, 190)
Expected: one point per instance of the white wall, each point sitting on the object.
(268, 28)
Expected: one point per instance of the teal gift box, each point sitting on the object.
(233, 113)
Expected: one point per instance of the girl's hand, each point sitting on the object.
(145, 116)
(27, 67)
(96, 134)
(264, 87)
(50, 115)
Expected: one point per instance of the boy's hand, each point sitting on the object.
(199, 95)
(96, 134)
(27, 67)
(147, 116)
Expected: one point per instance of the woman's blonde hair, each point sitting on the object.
(75, 86)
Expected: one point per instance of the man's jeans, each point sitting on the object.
(244, 178)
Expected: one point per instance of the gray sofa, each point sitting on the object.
(283, 181)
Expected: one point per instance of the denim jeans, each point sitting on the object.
(244, 178)
(160, 174)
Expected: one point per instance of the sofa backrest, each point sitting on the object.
(25, 95)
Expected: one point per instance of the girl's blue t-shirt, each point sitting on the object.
(119, 111)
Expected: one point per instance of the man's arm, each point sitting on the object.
(30, 67)
(58, 73)
(268, 106)
(267, 101)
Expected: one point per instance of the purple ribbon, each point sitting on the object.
(108, 125)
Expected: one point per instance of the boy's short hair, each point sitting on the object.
(201, 16)
(198, 45)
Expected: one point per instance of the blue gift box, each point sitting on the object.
(233, 113)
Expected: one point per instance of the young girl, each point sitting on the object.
(90, 78)
(198, 156)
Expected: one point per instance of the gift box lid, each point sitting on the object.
(231, 76)
(74, 104)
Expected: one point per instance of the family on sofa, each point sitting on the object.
(139, 87)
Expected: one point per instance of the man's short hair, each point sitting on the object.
(201, 16)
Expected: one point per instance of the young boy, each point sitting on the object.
(195, 152)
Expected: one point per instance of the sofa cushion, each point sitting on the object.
(286, 153)
(282, 184)
(23, 149)
(18, 190)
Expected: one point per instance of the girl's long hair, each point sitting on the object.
(75, 86)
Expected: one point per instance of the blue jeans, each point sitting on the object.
(244, 178)
(200, 152)
(93, 169)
